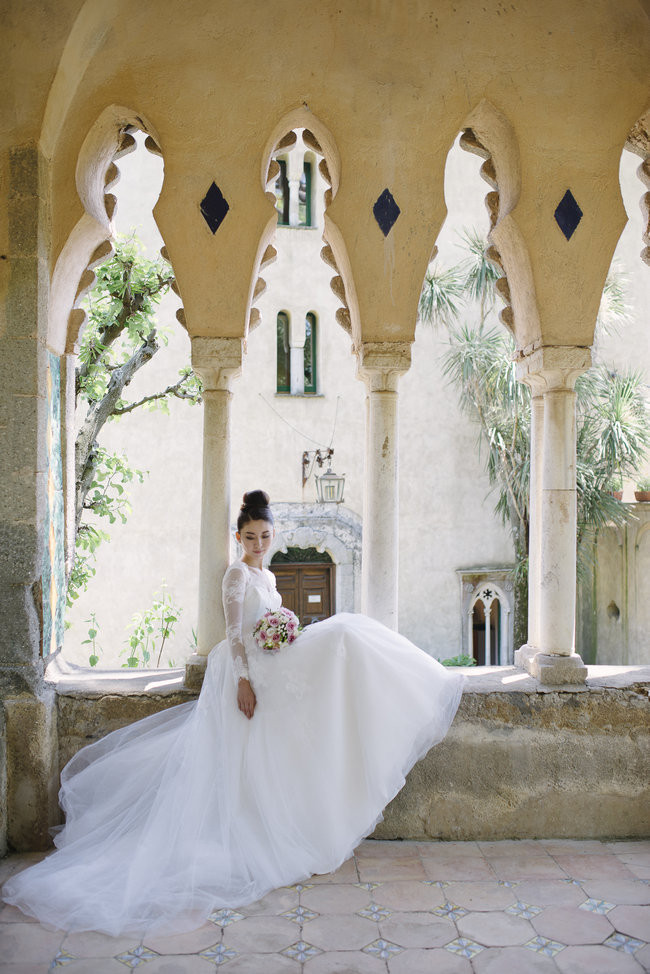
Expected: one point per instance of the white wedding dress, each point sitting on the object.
(197, 807)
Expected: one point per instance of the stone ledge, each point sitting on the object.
(520, 761)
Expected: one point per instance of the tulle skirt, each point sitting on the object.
(198, 808)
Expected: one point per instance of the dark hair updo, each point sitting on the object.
(255, 507)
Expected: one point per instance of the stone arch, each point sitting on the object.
(327, 527)
(320, 140)
(638, 141)
(89, 243)
(488, 133)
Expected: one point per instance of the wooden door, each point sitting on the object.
(307, 589)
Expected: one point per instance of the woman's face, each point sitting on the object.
(255, 538)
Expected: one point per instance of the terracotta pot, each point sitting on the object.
(642, 495)
(618, 494)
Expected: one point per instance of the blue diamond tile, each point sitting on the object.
(220, 954)
(62, 959)
(596, 906)
(374, 912)
(524, 910)
(386, 212)
(301, 951)
(464, 947)
(136, 956)
(543, 946)
(450, 911)
(223, 918)
(383, 949)
(626, 945)
(368, 886)
(568, 214)
(214, 207)
(300, 914)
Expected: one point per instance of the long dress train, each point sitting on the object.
(198, 808)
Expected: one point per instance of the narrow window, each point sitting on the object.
(304, 197)
(310, 353)
(282, 194)
(283, 354)
(486, 629)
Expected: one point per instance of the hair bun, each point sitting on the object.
(255, 499)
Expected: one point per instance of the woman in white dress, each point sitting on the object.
(276, 772)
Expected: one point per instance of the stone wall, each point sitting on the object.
(519, 762)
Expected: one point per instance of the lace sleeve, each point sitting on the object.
(233, 590)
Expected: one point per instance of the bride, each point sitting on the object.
(276, 772)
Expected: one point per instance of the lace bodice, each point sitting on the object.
(247, 594)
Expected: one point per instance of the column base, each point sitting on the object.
(195, 671)
(551, 669)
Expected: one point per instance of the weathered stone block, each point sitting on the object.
(22, 307)
(20, 632)
(21, 553)
(23, 171)
(32, 771)
(3, 785)
(23, 226)
(22, 367)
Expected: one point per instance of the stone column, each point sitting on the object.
(552, 373)
(534, 504)
(295, 166)
(380, 365)
(297, 354)
(218, 362)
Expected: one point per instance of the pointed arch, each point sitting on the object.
(89, 243)
(489, 134)
(334, 253)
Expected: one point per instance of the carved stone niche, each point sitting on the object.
(481, 589)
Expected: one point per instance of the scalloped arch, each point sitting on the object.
(89, 241)
(496, 134)
(303, 118)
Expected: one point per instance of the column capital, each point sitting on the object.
(380, 364)
(552, 368)
(217, 360)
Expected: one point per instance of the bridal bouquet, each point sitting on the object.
(276, 629)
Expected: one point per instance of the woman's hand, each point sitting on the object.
(246, 698)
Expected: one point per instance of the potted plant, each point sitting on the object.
(642, 492)
(614, 486)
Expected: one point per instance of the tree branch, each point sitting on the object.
(175, 390)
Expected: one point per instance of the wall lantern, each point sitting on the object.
(329, 487)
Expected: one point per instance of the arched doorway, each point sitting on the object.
(306, 581)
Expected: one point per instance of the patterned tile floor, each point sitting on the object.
(512, 907)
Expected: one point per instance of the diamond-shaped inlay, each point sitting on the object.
(627, 945)
(568, 214)
(386, 212)
(219, 954)
(541, 945)
(450, 911)
(214, 207)
(300, 887)
(382, 948)
(505, 882)
(523, 910)
(464, 947)
(300, 914)
(368, 886)
(62, 959)
(596, 906)
(301, 951)
(374, 912)
(136, 956)
(222, 918)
